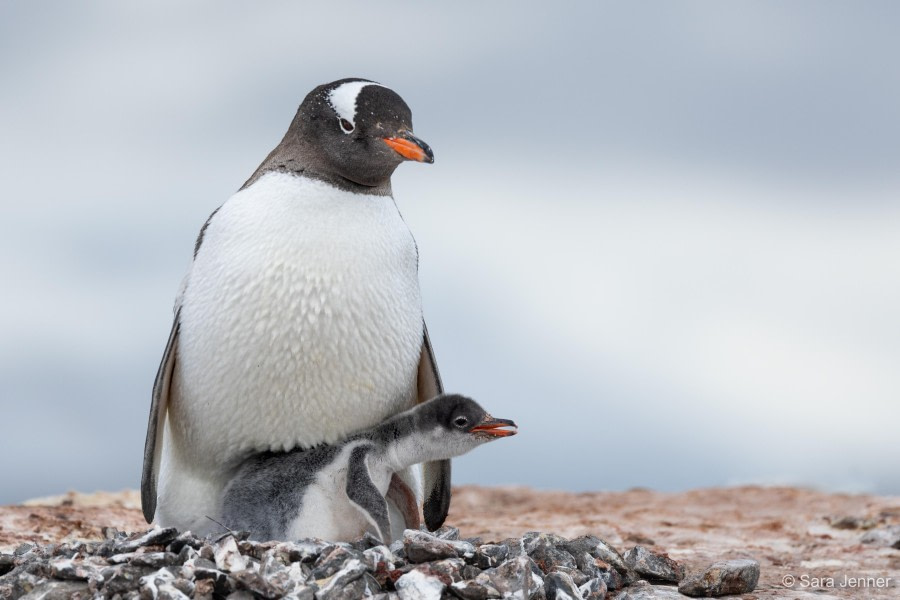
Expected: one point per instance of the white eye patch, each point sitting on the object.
(343, 100)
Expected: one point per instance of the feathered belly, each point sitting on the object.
(295, 338)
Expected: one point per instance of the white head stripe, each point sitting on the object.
(343, 98)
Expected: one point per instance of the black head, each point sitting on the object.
(357, 130)
(460, 415)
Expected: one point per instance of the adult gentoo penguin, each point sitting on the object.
(337, 492)
(300, 320)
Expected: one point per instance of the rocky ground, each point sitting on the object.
(820, 545)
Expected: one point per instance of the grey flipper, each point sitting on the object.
(156, 423)
(363, 493)
(437, 474)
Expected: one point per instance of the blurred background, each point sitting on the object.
(662, 237)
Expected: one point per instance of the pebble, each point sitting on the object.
(656, 568)
(421, 546)
(161, 564)
(885, 536)
(722, 579)
(417, 585)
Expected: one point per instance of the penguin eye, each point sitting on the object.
(460, 421)
(346, 125)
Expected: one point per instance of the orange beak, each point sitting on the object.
(495, 427)
(410, 147)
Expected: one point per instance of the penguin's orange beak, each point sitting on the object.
(495, 427)
(410, 147)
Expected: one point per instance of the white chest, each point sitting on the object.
(301, 321)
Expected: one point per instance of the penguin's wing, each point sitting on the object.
(437, 474)
(364, 495)
(156, 423)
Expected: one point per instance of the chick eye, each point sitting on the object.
(346, 125)
(460, 421)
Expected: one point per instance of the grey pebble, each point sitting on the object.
(722, 579)
(560, 586)
(656, 568)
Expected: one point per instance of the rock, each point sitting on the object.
(417, 585)
(7, 563)
(155, 560)
(303, 551)
(656, 568)
(153, 537)
(58, 590)
(643, 590)
(76, 570)
(185, 538)
(469, 572)
(227, 556)
(421, 546)
(344, 583)
(883, 536)
(533, 540)
(560, 586)
(259, 586)
(549, 559)
(595, 589)
(722, 579)
(330, 562)
(222, 585)
(122, 579)
(447, 570)
(516, 577)
(474, 590)
(514, 547)
(597, 548)
(23, 549)
(490, 555)
(366, 541)
(447, 533)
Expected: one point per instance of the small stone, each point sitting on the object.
(514, 547)
(109, 533)
(595, 589)
(23, 549)
(421, 547)
(259, 586)
(331, 562)
(7, 563)
(417, 585)
(155, 560)
(516, 577)
(153, 537)
(240, 595)
(447, 533)
(643, 590)
(448, 570)
(227, 556)
(122, 579)
(75, 569)
(597, 548)
(469, 572)
(488, 556)
(656, 568)
(594, 568)
(888, 537)
(58, 590)
(473, 590)
(722, 579)
(535, 539)
(559, 586)
(334, 588)
(549, 559)
(222, 585)
(366, 541)
(303, 551)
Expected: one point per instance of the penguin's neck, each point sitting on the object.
(401, 444)
(297, 156)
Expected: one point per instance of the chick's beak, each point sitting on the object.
(496, 427)
(410, 147)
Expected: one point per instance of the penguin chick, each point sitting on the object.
(337, 491)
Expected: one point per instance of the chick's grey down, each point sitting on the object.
(300, 320)
(338, 491)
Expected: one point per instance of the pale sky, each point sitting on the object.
(662, 237)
